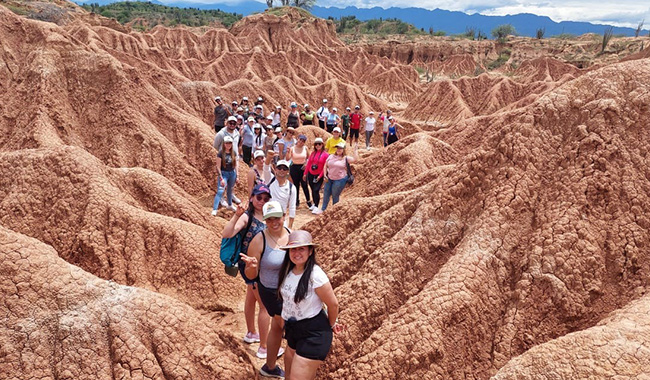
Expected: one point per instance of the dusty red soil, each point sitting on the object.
(504, 236)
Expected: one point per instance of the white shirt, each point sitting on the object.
(370, 123)
(323, 113)
(276, 118)
(286, 194)
(311, 305)
(386, 123)
(218, 139)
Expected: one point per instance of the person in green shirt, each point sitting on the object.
(330, 144)
(345, 119)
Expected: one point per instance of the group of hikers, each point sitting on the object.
(279, 266)
(268, 148)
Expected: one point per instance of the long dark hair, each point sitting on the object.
(303, 283)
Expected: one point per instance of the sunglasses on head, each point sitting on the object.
(262, 197)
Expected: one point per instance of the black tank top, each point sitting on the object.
(292, 120)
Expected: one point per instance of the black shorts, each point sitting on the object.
(270, 300)
(242, 269)
(354, 133)
(311, 338)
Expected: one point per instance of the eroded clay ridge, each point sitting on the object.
(536, 230)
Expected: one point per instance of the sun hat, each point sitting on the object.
(240, 109)
(232, 118)
(318, 140)
(299, 238)
(337, 129)
(291, 129)
(228, 139)
(341, 144)
(278, 129)
(272, 209)
(283, 163)
(261, 188)
(259, 153)
(302, 137)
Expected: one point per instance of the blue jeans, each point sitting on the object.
(229, 177)
(333, 188)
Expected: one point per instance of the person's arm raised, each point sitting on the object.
(236, 223)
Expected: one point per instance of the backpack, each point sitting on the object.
(231, 247)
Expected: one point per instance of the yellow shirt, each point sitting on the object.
(330, 144)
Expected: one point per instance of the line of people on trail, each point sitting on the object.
(320, 166)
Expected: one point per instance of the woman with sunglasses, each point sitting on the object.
(259, 197)
(288, 141)
(313, 170)
(336, 175)
(263, 261)
(254, 175)
(304, 289)
(298, 156)
(226, 170)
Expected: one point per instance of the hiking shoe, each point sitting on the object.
(261, 353)
(235, 199)
(232, 208)
(251, 338)
(214, 212)
(317, 211)
(276, 372)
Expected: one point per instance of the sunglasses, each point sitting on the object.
(232, 122)
(262, 197)
(318, 143)
(284, 168)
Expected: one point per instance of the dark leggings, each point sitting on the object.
(315, 187)
(247, 150)
(296, 173)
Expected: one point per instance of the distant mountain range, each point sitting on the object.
(440, 20)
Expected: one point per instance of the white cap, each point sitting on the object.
(228, 139)
(258, 153)
(250, 118)
(239, 109)
(269, 117)
(389, 111)
(291, 129)
(257, 126)
(283, 162)
(391, 118)
(260, 99)
(278, 107)
(217, 98)
(232, 118)
(306, 105)
(341, 144)
(347, 108)
(334, 109)
(294, 105)
(244, 98)
(371, 113)
(278, 129)
(357, 107)
(258, 106)
(337, 129)
(234, 102)
(324, 100)
(318, 140)
(269, 127)
(272, 209)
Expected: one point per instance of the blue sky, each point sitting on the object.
(619, 12)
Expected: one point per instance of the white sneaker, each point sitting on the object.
(232, 208)
(312, 207)
(214, 212)
(223, 203)
(235, 199)
(261, 352)
(317, 211)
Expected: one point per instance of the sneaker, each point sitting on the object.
(214, 212)
(223, 203)
(277, 372)
(251, 338)
(261, 353)
(311, 207)
(235, 199)
(317, 211)
(232, 208)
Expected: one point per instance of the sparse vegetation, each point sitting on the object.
(350, 25)
(504, 56)
(540, 33)
(639, 28)
(565, 36)
(470, 32)
(503, 31)
(607, 36)
(155, 14)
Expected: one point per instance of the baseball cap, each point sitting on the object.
(257, 126)
(272, 209)
(318, 140)
(228, 139)
(261, 188)
(337, 129)
(324, 100)
(250, 118)
(347, 108)
(283, 163)
(302, 137)
(232, 118)
(234, 102)
(341, 144)
(269, 127)
(278, 107)
(299, 238)
(258, 153)
(278, 129)
(217, 98)
(371, 113)
(244, 98)
(258, 106)
(240, 109)
(294, 105)
(334, 109)
(260, 99)
(306, 105)
(357, 107)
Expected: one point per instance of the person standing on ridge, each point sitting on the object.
(322, 114)
(304, 288)
(369, 128)
(355, 125)
(307, 116)
(330, 144)
(276, 116)
(385, 123)
(293, 118)
(333, 120)
(313, 169)
(336, 175)
(220, 114)
(345, 122)
(226, 170)
(298, 156)
(282, 190)
(248, 141)
(393, 131)
(229, 131)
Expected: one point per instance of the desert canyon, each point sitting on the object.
(505, 236)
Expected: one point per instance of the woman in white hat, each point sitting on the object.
(336, 175)
(265, 259)
(293, 118)
(255, 174)
(248, 140)
(304, 288)
(370, 128)
(333, 120)
(313, 171)
(307, 116)
(226, 170)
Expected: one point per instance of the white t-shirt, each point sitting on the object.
(323, 113)
(386, 123)
(286, 194)
(370, 123)
(276, 118)
(311, 305)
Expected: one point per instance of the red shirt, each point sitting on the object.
(355, 120)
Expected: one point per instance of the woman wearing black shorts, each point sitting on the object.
(304, 288)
